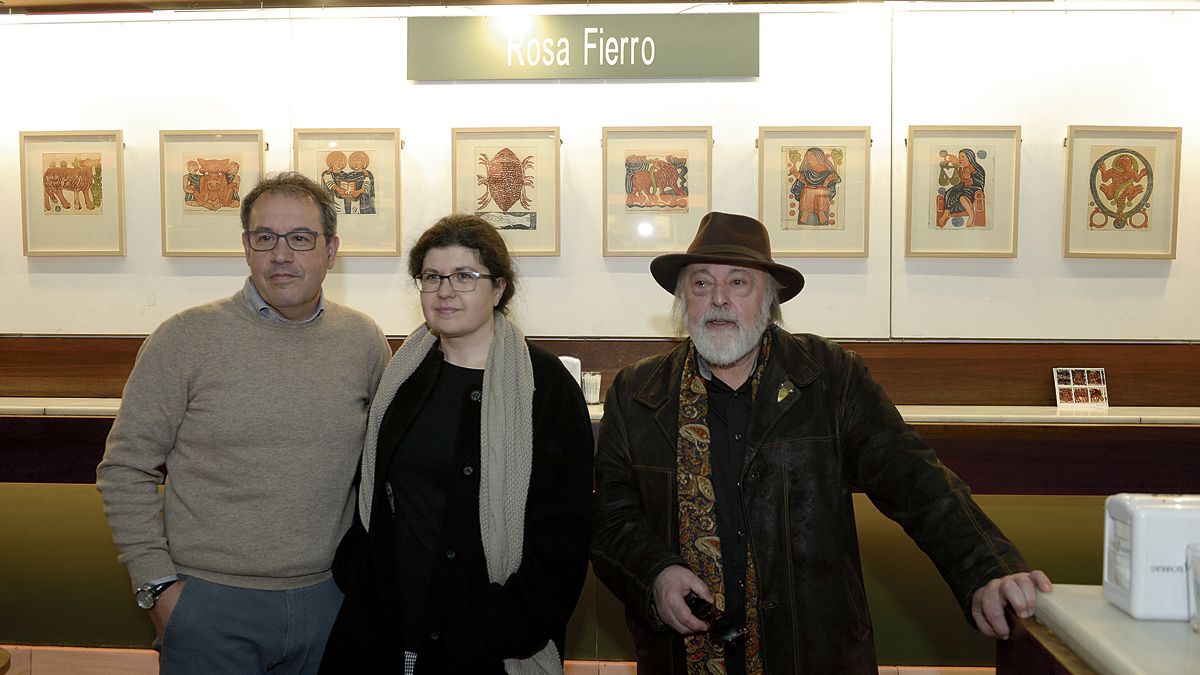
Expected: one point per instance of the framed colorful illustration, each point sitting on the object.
(72, 193)
(963, 184)
(361, 170)
(509, 177)
(204, 174)
(1122, 192)
(813, 189)
(657, 187)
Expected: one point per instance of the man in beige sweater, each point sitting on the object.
(256, 405)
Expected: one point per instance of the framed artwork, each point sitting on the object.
(509, 177)
(657, 187)
(361, 170)
(1122, 192)
(963, 184)
(72, 193)
(813, 189)
(1080, 387)
(204, 174)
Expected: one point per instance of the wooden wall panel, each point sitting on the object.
(914, 373)
(87, 367)
(1018, 373)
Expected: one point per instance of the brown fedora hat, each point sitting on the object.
(728, 239)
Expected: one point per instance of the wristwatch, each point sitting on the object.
(147, 594)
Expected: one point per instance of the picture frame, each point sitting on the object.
(645, 214)
(1122, 198)
(509, 176)
(203, 176)
(1076, 388)
(72, 193)
(962, 188)
(361, 170)
(814, 190)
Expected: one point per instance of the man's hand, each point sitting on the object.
(161, 612)
(670, 586)
(1016, 590)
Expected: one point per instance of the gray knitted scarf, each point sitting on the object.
(505, 449)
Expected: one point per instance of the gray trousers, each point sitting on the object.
(223, 629)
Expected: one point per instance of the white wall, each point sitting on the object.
(836, 65)
(1045, 70)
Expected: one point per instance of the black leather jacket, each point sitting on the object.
(821, 427)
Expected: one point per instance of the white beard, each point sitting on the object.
(722, 348)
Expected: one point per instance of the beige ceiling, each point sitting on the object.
(112, 6)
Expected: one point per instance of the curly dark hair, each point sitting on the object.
(474, 233)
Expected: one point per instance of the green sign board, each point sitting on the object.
(583, 46)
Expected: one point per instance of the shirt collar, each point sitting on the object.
(256, 303)
(706, 372)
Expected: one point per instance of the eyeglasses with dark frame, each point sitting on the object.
(297, 240)
(463, 281)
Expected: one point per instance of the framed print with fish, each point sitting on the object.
(361, 170)
(963, 184)
(813, 189)
(1122, 192)
(72, 193)
(204, 175)
(657, 187)
(509, 177)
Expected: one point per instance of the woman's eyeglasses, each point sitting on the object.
(462, 282)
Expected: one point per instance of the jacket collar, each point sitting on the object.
(790, 368)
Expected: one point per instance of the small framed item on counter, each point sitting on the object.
(1080, 388)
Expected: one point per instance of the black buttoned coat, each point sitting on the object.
(820, 428)
(472, 624)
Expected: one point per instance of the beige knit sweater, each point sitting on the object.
(260, 425)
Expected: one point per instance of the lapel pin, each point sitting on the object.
(784, 391)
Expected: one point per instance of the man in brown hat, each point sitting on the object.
(724, 474)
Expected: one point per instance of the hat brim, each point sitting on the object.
(666, 268)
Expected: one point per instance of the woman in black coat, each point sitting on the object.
(470, 549)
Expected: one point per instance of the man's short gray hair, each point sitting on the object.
(679, 317)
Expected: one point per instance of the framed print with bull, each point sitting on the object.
(1122, 192)
(72, 193)
(657, 187)
(509, 177)
(963, 183)
(360, 168)
(204, 175)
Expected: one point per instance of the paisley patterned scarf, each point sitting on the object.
(698, 539)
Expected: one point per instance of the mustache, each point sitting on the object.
(283, 269)
(719, 314)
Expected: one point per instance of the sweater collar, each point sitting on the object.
(255, 302)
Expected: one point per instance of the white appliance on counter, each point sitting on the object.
(1144, 541)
